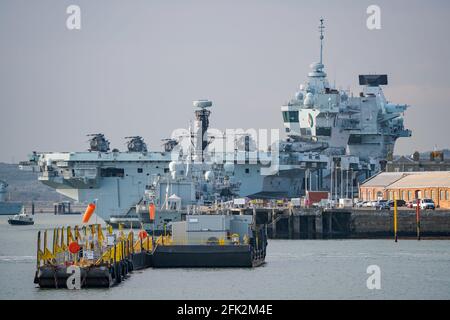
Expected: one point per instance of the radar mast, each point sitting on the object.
(321, 30)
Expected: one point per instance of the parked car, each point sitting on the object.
(369, 204)
(365, 204)
(412, 204)
(424, 204)
(427, 204)
(400, 203)
(360, 204)
(382, 205)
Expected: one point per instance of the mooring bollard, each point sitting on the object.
(418, 219)
(395, 218)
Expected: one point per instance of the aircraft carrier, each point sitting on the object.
(334, 141)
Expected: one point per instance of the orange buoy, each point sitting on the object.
(151, 211)
(143, 234)
(74, 247)
(88, 213)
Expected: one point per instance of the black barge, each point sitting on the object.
(214, 241)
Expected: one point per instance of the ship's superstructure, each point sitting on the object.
(366, 126)
(333, 141)
(189, 186)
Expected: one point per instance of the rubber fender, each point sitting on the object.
(112, 272)
(36, 278)
(130, 265)
(118, 276)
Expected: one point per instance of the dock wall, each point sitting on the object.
(354, 224)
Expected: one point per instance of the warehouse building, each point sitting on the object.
(408, 186)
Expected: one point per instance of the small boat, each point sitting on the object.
(21, 219)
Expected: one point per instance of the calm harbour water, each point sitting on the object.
(295, 269)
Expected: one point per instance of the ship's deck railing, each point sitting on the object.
(232, 240)
(256, 204)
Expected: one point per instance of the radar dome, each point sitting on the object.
(317, 66)
(299, 96)
(209, 175)
(309, 100)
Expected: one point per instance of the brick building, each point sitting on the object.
(435, 162)
(408, 186)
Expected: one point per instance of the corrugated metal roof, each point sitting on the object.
(428, 179)
(383, 179)
(397, 180)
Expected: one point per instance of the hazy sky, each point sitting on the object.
(135, 66)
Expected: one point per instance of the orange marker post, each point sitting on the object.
(88, 213)
(151, 211)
